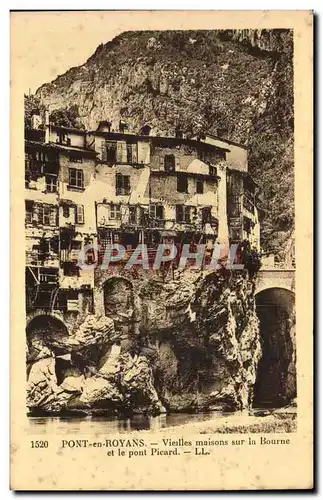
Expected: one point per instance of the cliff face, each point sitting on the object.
(236, 83)
(197, 347)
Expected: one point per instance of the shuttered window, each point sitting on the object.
(79, 214)
(199, 186)
(122, 184)
(169, 163)
(212, 170)
(111, 151)
(132, 214)
(156, 212)
(129, 153)
(76, 178)
(183, 213)
(115, 212)
(66, 211)
(51, 183)
(47, 215)
(182, 183)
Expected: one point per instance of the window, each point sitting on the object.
(72, 302)
(182, 183)
(76, 178)
(156, 212)
(199, 186)
(122, 184)
(213, 170)
(183, 213)
(76, 246)
(79, 214)
(115, 212)
(75, 158)
(66, 211)
(90, 252)
(29, 211)
(204, 155)
(206, 215)
(247, 224)
(61, 138)
(51, 183)
(48, 276)
(47, 215)
(41, 156)
(111, 151)
(129, 153)
(132, 214)
(70, 269)
(29, 217)
(169, 163)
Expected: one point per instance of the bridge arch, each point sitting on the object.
(276, 376)
(275, 278)
(46, 331)
(46, 325)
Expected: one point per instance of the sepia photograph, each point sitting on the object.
(158, 237)
(156, 153)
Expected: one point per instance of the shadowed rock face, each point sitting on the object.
(197, 348)
(276, 377)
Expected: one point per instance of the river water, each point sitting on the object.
(104, 425)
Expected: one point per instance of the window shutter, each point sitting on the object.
(103, 151)
(39, 214)
(118, 182)
(66, 211)
(81, 178)
(124, 152)
(177, 163)
(79, 214)
(134, 153)
(129, 153)
(70, 172)
(37, 217)
(53, 217)
(159, 212)
(119, 152)
(161, 163)
(127, 183)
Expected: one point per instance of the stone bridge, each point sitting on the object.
(275, 278)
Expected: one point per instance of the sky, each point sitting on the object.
(45, 44)
(51, 44)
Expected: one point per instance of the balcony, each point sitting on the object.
(154, 223)
(248, 204)
(238, 203)
(35, 135)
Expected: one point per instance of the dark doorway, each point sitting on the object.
(276, 376)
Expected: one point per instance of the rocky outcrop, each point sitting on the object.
(128, 388)
(215, 348)
(197, 348)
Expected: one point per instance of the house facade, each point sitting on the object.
(88, 190)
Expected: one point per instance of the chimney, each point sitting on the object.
(179, 133)
(36, 121)
(46, 124)
(46, 117)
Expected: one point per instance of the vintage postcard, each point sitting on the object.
(161, 200)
